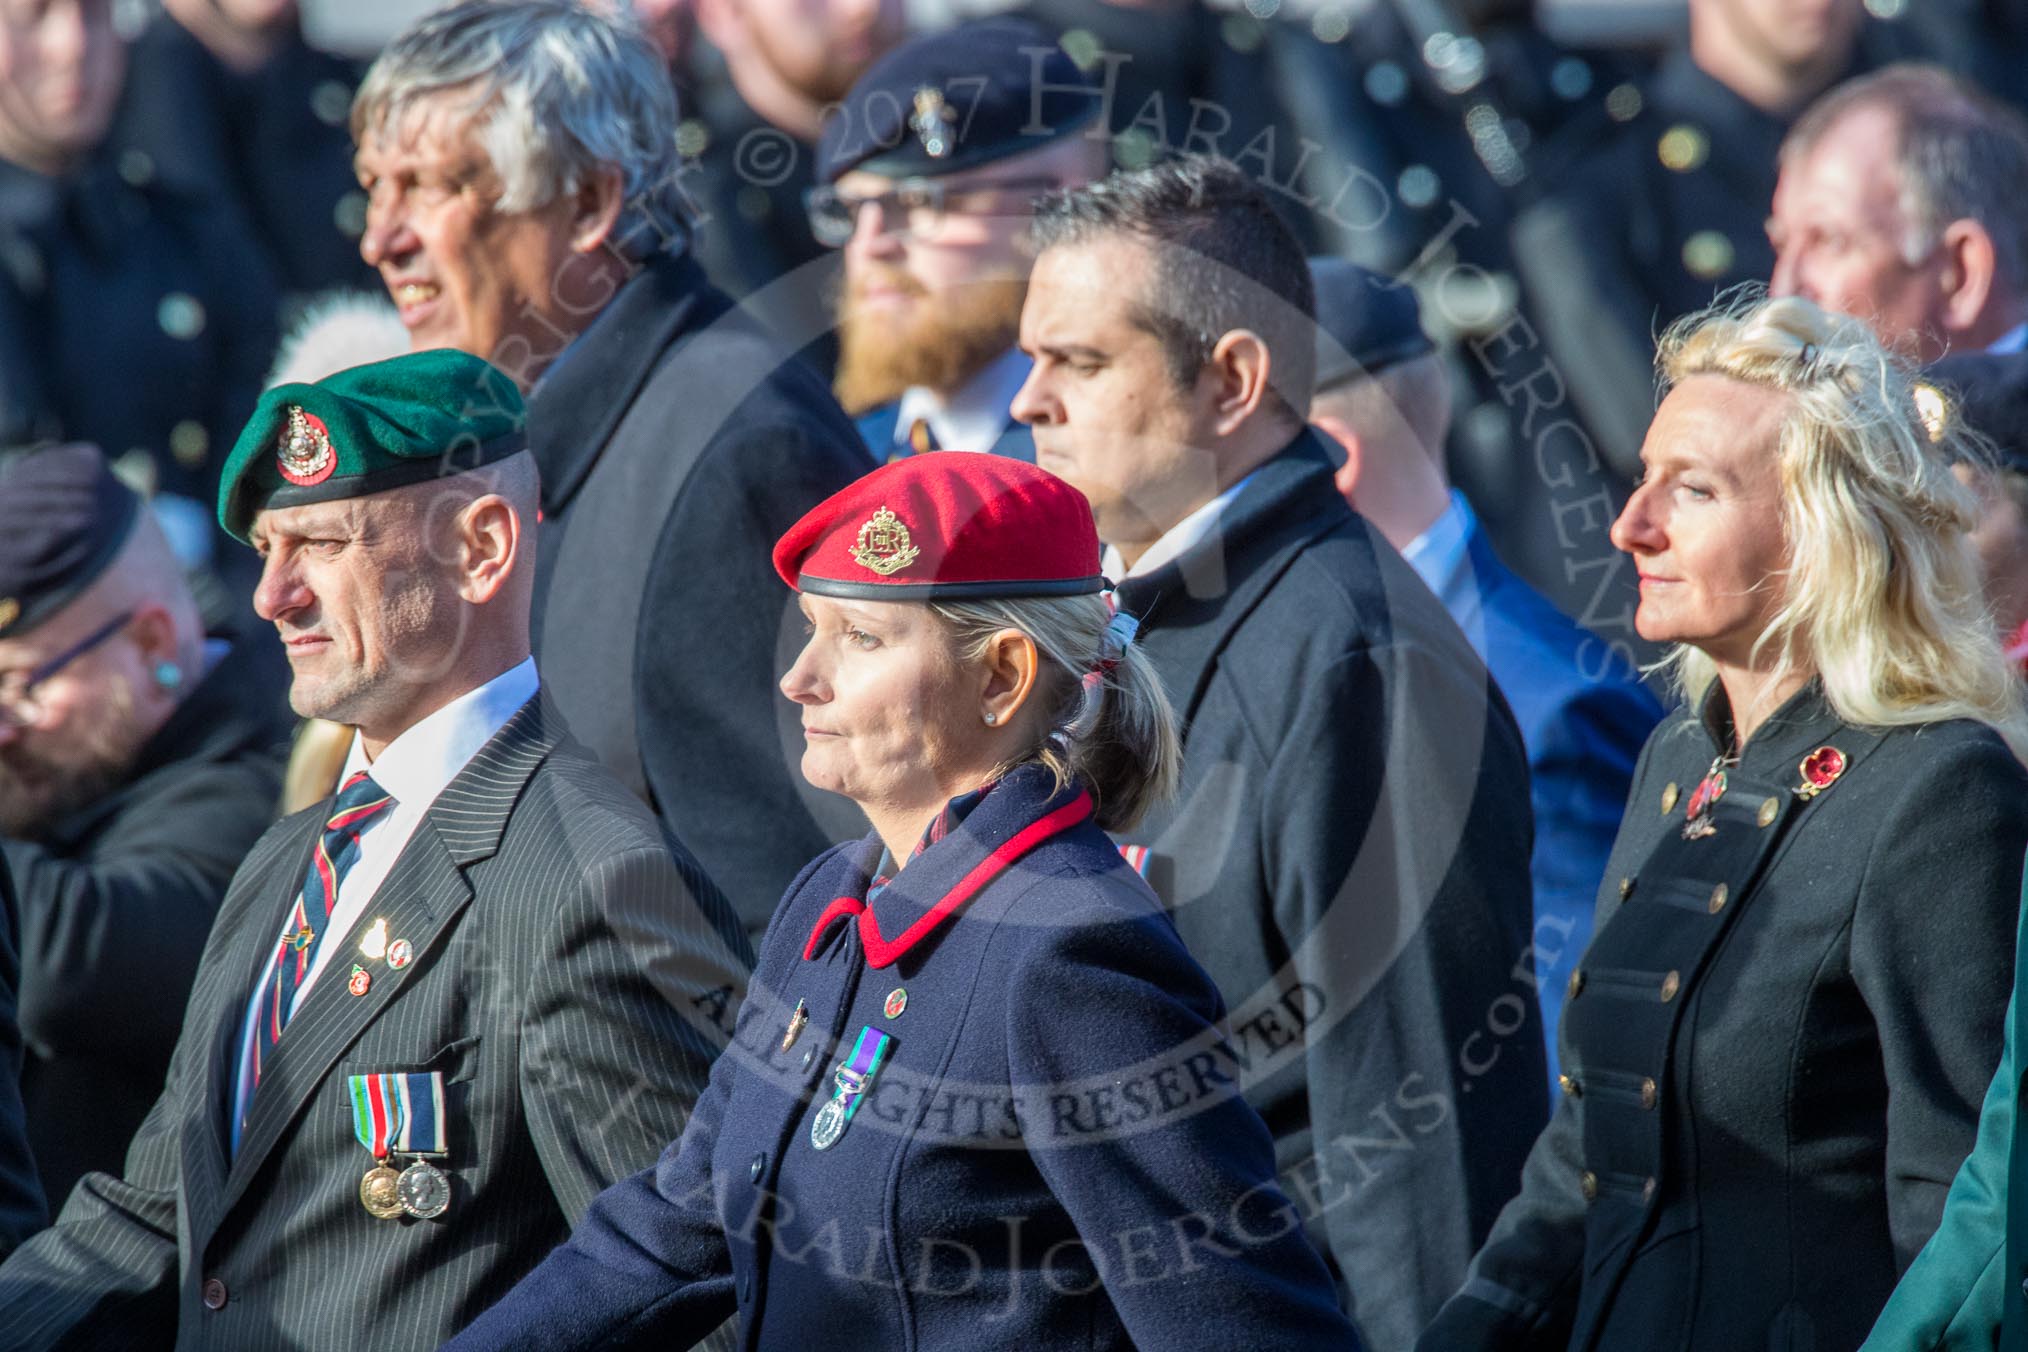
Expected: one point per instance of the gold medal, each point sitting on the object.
(380, 1192)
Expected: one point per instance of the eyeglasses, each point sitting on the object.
(18, 705)
(914, 206)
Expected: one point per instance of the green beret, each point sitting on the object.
(419, 416)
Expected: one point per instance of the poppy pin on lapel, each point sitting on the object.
(1820, 770)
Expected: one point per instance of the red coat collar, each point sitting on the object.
(883, 952)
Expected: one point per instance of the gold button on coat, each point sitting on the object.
(1670, 985)
(1576, 983)
(1570, 1086)
(1770, 808)
(1648, 1191)
(1587, 1183)
(1669, 796)
(1719, 895)
(1626, 888)
(1649, 1093)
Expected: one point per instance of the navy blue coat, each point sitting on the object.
(1049, 1159)
(1584, 717)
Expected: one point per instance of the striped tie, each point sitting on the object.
(359, 804)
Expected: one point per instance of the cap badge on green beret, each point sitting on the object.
(884, 546)
(10, 611)
(931, 122)
(305, 456)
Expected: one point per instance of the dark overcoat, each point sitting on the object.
(1348, 857)
(1775, 1047)
(677, 442)
(22, 1209)
(563, 984)
(1047, 1158)
(116, 901)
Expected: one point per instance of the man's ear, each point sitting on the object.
(1342, 436)
(154, 634)
(489, 548)
(600, 199)
(1240, 366)
(1971, 274)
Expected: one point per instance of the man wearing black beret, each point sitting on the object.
(930, 169)
(1383, 394)
(1989, 390)
(139, 761)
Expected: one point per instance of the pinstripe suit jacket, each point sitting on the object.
(569, 983)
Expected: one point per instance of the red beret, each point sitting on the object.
(946, 525)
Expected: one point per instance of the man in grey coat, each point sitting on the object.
(1348, 854)
(440, 1012)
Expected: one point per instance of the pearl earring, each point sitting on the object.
(991, 719)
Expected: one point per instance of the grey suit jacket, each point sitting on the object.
(567, 984)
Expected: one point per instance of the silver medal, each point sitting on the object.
(829, 1124)
(424, 1190)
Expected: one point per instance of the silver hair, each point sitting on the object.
(559, 91)
(1960, 155)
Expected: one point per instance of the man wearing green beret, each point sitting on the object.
(440, 1011)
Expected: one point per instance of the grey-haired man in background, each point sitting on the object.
(521, 170)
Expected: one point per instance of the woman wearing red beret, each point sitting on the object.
(977, 1095)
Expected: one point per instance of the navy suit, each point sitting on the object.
(877, 426)
(1055, 1154)
(1584, 717)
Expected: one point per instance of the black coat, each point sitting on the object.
(677, 443)
(116, 900)
(1348, 857)
(1776, 1047)
(22, 1212)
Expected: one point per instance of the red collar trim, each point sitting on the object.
(881, 952)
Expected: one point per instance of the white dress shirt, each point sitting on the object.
(976, 413)
(415, 767)
(1177, 541)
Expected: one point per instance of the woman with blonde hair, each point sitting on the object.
(1777, 1043)
(974, 1097)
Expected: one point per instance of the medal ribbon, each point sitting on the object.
(422, 1114)
(399, 1113)
(867, 1054)
(376, 1112)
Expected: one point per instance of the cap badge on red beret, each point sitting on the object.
(305, 456)
(931, 122)
(884, 545)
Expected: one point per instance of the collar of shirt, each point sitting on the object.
(1177, 541)
(2013, 340)
(975, 415)
(1439, 552)
(947, 821)
(416, 767)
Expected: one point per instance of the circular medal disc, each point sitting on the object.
(829, 1126)
(424, 1191)
(379, 1193)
